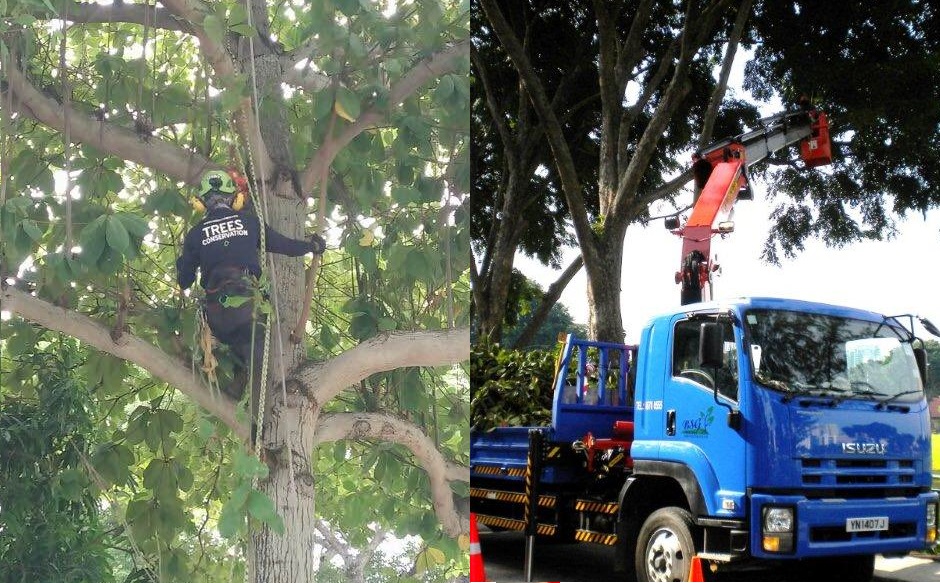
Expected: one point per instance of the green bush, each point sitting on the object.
(510, 387)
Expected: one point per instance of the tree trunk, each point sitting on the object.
(290, 416)
(496, 289)
(287, 557)
(605, 322)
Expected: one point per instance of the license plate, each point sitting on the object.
(866, 524)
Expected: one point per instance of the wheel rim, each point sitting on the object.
(666, 560)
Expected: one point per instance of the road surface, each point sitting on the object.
(504, 552)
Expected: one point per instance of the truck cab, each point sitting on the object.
(759, 429)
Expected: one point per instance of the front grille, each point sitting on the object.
(861, 479)
(887, 475)
(860, 463)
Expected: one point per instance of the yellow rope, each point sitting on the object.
(209, 363)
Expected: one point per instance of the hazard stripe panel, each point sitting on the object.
(589, 536)
(498, 470)
(602, 507)
(553, 452)
(513, 524)
(514, 497)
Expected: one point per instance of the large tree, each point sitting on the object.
(352, 119)
(649, 66)
(661, 71)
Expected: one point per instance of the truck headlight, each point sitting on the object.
(777, 527)
(778, 519)
(930, 534)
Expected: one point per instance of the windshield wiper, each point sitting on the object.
(867, 389)
(881, 404)
(811, 391)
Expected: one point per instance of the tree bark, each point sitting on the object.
(605, 321)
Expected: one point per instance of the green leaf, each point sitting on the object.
(93, 240)
(248, 466)
(32, 230)
(117, 235)
(405, 194)
(349, 102)
(231, 100)
(215, 28)
(429, 559)
(262, 508)
(444, 90)
(231, 519)
(340, 452)
(328, 337)
(135, 226)
(347, 7)
(160, 476)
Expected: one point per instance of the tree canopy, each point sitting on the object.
(651, 87)
(349, 118)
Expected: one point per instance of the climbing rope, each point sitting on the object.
(209, 363)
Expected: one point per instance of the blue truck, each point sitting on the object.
(739, 432)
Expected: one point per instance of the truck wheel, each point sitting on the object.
(665, 546)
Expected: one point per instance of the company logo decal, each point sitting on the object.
(865, 448)
(699, 426)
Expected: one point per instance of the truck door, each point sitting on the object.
(697, 432)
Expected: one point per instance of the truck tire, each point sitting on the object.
(665, 546)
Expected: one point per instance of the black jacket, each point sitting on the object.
(231, 239)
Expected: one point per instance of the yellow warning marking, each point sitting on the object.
(589, 536)
(513, 497)
(553, 452)
(592, 506)
(497, 470)
(513, 524)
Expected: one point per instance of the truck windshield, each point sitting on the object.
(812, 354)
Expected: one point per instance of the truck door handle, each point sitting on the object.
(671, 422)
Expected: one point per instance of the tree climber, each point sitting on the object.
(224, 247)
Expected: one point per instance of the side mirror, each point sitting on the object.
(920, 355)
(711, 345)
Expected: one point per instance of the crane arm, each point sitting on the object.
(720, 171)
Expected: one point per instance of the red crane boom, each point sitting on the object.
(720, 171)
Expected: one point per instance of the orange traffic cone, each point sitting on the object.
(476, 558)
(695, 573)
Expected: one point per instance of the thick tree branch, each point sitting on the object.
(91, 13)
(226, 72)
(549, 299)
(130, 348)
(693, 36)
(309, 81)
(375, 426)
(562, 154)
(426, 70)
(497, 113)
(383, 353)
(631, 113)
(164, 157)
(611, 98)
(631, 51)
(665, 190)
(711, 113)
